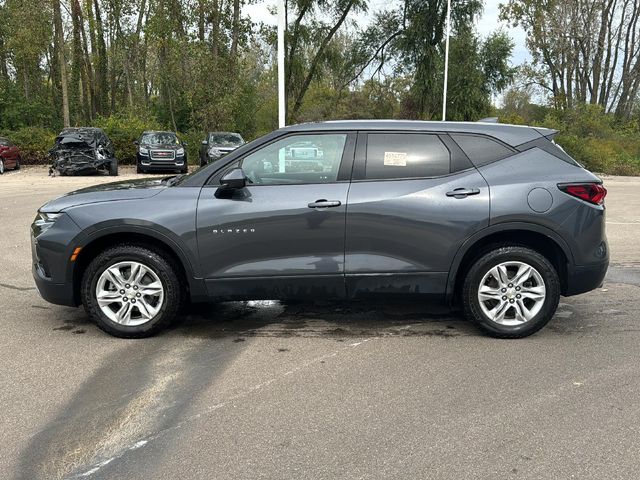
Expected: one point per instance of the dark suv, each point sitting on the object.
(217, 145)
(497, 216)
(161, 151)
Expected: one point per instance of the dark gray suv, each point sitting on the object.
(496, 216)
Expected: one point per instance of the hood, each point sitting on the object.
(107, 192)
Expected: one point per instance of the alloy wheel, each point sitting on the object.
(129, 293)
(511, 293)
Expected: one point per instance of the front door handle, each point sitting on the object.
(323, 203)
(463, 192)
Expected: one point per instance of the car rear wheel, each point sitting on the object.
(113, 168)
(131, 291)
(511, 292)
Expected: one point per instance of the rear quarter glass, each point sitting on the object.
(482, 150)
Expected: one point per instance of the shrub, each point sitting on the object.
(123, 129)
(34, 143)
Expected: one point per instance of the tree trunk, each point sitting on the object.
(59, 37)
(235, 33)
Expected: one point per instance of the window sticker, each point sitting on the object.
(395, 159)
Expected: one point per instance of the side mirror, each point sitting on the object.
(135, 142)
(185, 144)
(234, 179)
(204, 142)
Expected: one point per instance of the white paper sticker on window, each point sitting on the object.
(395, 159)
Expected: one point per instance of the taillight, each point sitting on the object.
(589, 192)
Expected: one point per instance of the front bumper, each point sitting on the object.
(148, 163)
(584, 278)
(50, 265)
(58, 293)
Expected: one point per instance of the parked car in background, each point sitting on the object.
(9, 155)
(161, 151)
(494, 216)
(218, 144)
(83, 151)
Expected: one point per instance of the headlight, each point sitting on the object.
(43, 222)
(144, 151)
(214, 152)
(180, 152)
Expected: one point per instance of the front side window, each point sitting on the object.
(405, 155)
(296, 159)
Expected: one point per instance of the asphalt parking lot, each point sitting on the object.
(317, 391)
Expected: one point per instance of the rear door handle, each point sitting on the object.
(463, 192)
(323, 203)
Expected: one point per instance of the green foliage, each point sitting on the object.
(34, 143)
(591, 136)
(123, 129)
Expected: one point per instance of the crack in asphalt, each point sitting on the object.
(15, 287)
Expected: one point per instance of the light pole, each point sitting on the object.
(281, 98)
(446, 62)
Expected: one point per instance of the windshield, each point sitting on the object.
(159, 138)
(225, 139)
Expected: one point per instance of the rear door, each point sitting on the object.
(283, 235)
(414, 199)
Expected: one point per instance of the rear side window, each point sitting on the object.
(405, 155)
(482, 150)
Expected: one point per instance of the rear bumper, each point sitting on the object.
(584, 278)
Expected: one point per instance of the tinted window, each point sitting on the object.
(405, 155)
(296, 159)
(159, 138)
(225, 139)
(482, 150)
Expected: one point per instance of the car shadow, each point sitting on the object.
(271, 318)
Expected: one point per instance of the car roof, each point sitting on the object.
(224, 133)
(159, 131)
(513, 135)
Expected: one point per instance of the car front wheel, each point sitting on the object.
(131, 291)
(511, 292)
(1, 166)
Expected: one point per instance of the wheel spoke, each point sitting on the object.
(146, 310)
(137, 274)
(153, 289)
(499, 311)
(115, 276)
(523, 274)
(523, 314)
(488, 293)
(124, 314)
(499, 272)
(107, 297)
(534, 293)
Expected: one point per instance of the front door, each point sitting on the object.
(282, 236)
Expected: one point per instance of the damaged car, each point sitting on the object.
(218, 144)
(83, 151)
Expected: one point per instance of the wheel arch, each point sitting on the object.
(149, 238)
(538, 238)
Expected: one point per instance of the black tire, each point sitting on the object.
(139, 169)
(164, 268)
(492, 257)
(17, 167)
(113, 168)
